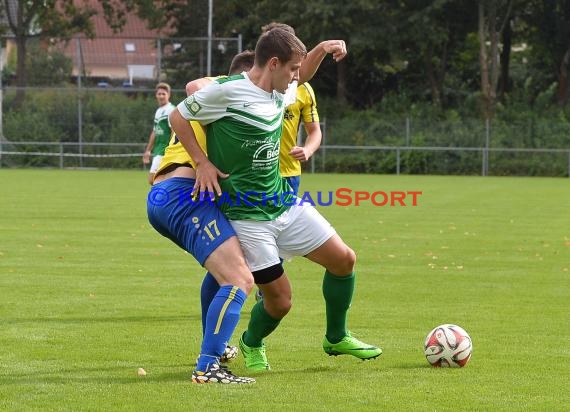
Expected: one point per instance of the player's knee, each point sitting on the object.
(350, 258)
(245, 282)
(279, 308)
(344, 264)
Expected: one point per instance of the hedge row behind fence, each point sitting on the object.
(107, 117)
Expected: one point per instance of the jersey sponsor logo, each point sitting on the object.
(266, 156)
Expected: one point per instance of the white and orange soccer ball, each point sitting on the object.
(448, 346)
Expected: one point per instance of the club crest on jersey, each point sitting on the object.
(288, 115)
(192, 105)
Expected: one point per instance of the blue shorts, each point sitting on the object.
(198, 227)
(294, 182)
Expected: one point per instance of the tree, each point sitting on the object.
(552, 39)
(29, 18)
(431, 34)
(492, 23)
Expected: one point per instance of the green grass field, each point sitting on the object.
(89, 293)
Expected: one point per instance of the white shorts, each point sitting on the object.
(155, 163)
(297, 232)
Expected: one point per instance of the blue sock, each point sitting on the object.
(209, 289)
(221, 321)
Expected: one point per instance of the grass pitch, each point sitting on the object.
(89, 293)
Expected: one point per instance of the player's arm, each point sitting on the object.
(195, 85)
(147, 150)
(314, 58)
(206, 173)
(312, 143)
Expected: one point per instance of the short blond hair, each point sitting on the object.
(164, 86)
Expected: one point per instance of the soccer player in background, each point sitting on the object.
(244, 116)
(160, 134)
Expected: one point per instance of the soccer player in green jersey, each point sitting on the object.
(160, 134)
(243, 116)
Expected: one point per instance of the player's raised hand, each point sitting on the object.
(335, 47)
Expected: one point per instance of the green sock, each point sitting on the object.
(337, 291)
(261, 324)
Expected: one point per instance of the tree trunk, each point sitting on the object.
(490, 64)
(341, 82)
(20, 30)
(563, 94)
(485, 83)
(504, 81)
(433, 81)
(20, 70)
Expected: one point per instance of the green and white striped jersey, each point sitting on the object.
(243, 132)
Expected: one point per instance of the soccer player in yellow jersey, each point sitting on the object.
(304, 110)
(301, 106)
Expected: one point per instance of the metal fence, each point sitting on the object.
(128, 155)
(92, 127)
(483, 156)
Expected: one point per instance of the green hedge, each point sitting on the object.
(125, 116)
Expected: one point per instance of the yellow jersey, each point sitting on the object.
(304, 110)
(176, 153)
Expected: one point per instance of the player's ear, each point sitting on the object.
(273, 63)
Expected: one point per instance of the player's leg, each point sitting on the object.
(294, 182)
(208, 290)
(338, 287)
(258, 243)
(266, 315)
(227, 266)
(310, 235)
(185, 223)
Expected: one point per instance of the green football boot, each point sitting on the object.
(349, 345)
(255, 358)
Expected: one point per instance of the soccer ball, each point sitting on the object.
(230, 353)
(448, 346)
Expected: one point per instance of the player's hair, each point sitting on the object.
(242, 62)
(163, 86)
(276, 25)
(278, 43)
